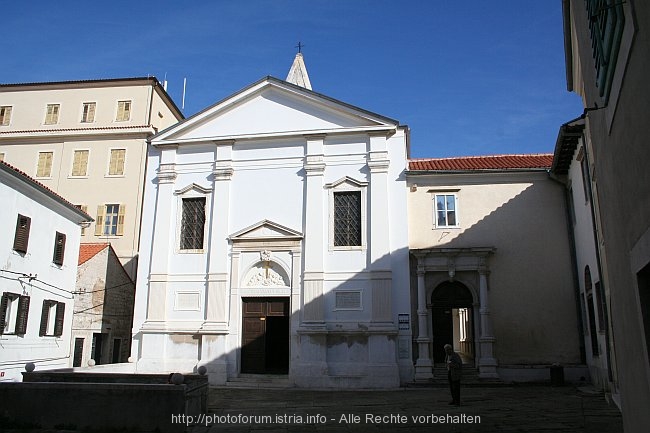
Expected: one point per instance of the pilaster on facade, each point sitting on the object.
(424, 364)
(216, 314)
(314, 241)
(487, 364)
(314, 164)
(223, 168)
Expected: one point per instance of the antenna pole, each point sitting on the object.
(183, 102)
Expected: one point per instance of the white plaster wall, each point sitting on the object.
(53, 282)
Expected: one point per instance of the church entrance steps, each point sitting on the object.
(470, 378)
(277, 381)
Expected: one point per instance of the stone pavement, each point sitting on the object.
(521, 408)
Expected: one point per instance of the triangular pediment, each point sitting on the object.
(271, 108)
(265, 230)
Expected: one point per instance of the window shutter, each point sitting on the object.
(21, 238)
(120, 220)
(99, 222)
(120, 161)
(84, 208)
(59, 248)
(44, 317)
(23, 312)
(113, 162)
(58, 322)
(3, 312)
(5, 115)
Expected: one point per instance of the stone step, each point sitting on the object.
(260, 381)
(469, 378)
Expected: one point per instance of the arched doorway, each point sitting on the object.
(452, 320)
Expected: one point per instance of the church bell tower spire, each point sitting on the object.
(298, 72)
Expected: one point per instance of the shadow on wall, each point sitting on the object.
(359, 345)
(532, 298)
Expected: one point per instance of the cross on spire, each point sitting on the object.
(299, 46)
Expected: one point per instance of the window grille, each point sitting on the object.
(193, 223)
(347, 218)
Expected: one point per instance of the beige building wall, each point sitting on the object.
(521, 215)
(28, 134)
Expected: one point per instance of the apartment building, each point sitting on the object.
(87, 140)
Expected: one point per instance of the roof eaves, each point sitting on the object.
(71, 82)
(44, 190)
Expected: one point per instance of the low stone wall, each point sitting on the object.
(101, 401)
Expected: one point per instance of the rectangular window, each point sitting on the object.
(52, 318)
(116, 164)
(123, 111)
(5, 115)
(52, 114)
(21, 236)
(88, 113)
(78, 352)
(117, 345)
(44, 168)
(110, 220)
(80, 163)
(59, 249)
(14, 310)
(193, 223)
(592, 325)
(347, 218)
(83, 208)
(606, 21)
(2, 156)
(445, 215)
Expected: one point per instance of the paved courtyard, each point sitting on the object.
(505, 409)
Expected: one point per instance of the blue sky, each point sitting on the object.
(470, 77)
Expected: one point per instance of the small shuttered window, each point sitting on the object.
(606, 21)
(52, 317)
(44, 168)
(123, 111)
(80, 163)
(52, 114)
(14, 310)
(88, 113)
(110, 220)
(5, 115)
(59, 249)
(116, 164)
(83, 208)
(21, 237)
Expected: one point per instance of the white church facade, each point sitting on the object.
(258, 252)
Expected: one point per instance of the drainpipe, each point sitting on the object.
(574, 265)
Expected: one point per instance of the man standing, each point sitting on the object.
(454, 372)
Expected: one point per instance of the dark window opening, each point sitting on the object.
(193, 223)
(347, 218)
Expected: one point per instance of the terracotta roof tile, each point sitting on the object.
(478, 163)
(88, 251)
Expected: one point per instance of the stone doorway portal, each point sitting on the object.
(452, 323)
(265, 335)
